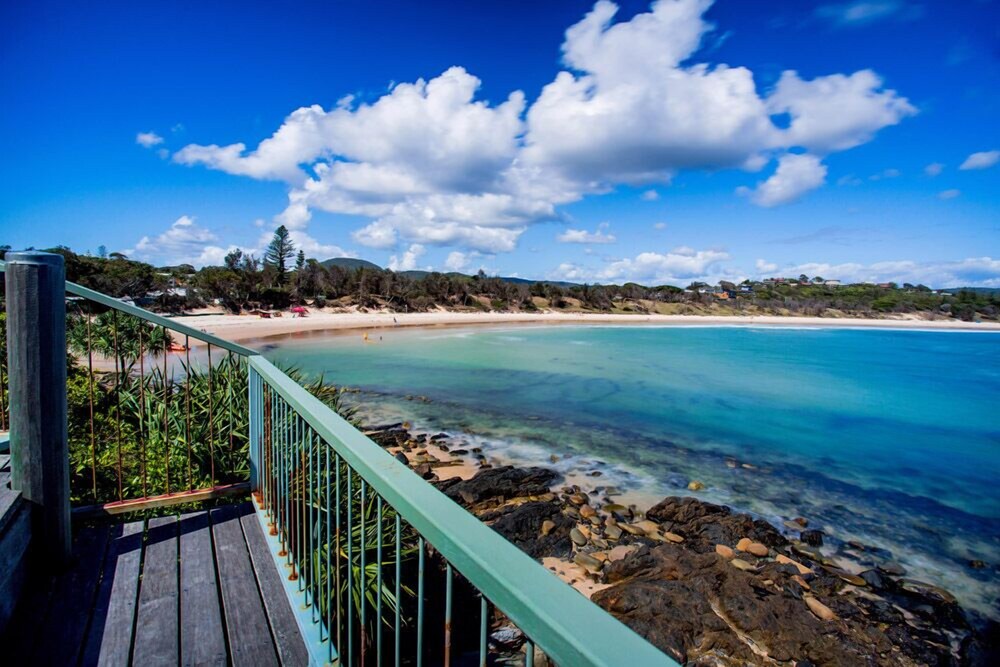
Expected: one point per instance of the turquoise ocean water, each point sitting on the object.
(888, 438)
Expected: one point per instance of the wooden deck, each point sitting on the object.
(199, 589)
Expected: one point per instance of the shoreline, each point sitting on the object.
(241, 328)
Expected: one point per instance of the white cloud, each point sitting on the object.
(583, 236)
(836, 112)
(934, 169)
(865, 12)
(408, 260)
(795, 175)
(949, 194)
(764, 267)
(660, 225)
(183, 242)
(972, 272)
(981, 160)
(148, 139)
(650, 195)
(457, 261)
(679, 264)
(429, 164)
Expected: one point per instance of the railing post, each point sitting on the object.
(36, 343)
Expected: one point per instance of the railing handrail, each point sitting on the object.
(153, 318)
(567, 627)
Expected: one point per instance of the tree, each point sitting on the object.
(279, 251)
(300, 261)
(233, 259)
(102, 251)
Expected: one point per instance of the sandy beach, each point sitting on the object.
(248, 327)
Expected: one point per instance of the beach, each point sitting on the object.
(241, 328)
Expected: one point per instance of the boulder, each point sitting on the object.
(495, 485)
(704, 525)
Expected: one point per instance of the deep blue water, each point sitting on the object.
(891, 438)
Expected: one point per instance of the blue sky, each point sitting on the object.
(661, 143)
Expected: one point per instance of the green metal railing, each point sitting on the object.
(381, 567)
(351, 520)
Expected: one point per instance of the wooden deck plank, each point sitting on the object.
(287, 638)
(65, 627)
(202, 638)
(109, 640)
(248, 633)
(156, 629)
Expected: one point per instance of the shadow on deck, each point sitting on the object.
(199, 589)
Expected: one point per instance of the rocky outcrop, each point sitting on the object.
(494, 486)
(705, 525)
(710, 586)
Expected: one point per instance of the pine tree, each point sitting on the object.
(279, 251)
(300, 261)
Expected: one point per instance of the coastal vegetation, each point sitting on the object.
(286, 277)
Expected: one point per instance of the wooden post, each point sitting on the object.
(36, 342)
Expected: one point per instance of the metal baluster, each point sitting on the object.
(211, 421)
(399, 600)
(378, 585)
(311, 551)
(230, 383)
(282, 526)
(420, 601)
(327, 545)
(340, 609)
(286, 482)
(90, 389)
(483, 626)
(166, 410)
(142, 410)
(187, 408)
(350, 568)
(118, 401)
(447, 615)
(363, 546)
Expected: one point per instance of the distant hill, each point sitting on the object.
(350, 263)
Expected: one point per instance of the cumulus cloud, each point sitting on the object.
(836, 112)
(973, 271)
(981, 160)
(148, 139)
(457, 261)
(679, 265)
(408, 260)
(795, 175)
(934, 169)
(183, 242)
(949, 194)
(764, 267)
(429, 163)
(583, 236)
(650, 195)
